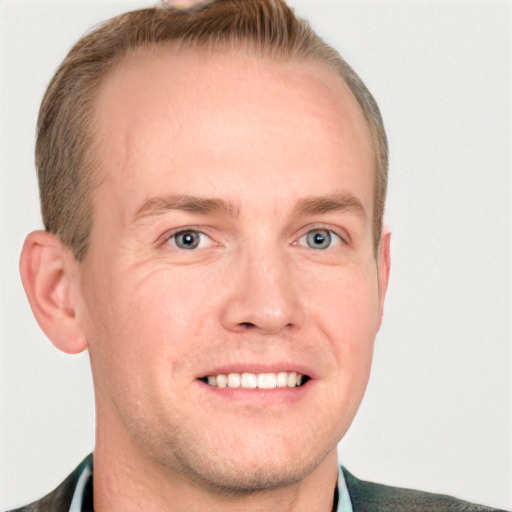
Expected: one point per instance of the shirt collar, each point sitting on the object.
(84, 479)
(344, 503)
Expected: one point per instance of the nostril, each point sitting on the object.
(247, 325)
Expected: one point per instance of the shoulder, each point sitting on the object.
(372, 497)
(60, 498)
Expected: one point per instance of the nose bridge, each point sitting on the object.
(264, 295)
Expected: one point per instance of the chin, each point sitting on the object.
(258, 468)
(247, 479)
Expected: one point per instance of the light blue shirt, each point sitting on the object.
(344, 503)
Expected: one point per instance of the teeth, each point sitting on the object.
(254, 380)
(234, 380)
(292, 379)
(222, 381)
(249, 380)
(282, 380)
(267, 380)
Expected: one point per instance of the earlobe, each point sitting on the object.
(48, 273)
(384, 267)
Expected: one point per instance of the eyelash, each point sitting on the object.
(172, 236)
(334, 237)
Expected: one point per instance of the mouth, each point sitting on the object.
(248, 380)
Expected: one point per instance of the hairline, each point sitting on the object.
(93, 168)
(66, 157)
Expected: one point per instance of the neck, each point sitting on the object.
(126, 480)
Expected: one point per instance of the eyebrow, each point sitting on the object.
(203, 206)
(330, 203)
(192, 204)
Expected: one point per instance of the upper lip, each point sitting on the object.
(254, 367)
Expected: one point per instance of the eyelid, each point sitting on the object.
(334, 241)
(170, 234)
(337, 232)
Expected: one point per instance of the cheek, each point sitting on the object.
(137, 333)
(347, 303)
(148, 320)
(347, 311)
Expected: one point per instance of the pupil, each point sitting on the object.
(187, 240)
(319, 239)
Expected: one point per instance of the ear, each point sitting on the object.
(384, 268)
(49, 273)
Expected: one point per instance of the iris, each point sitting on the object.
(319, 239)
(187, 239)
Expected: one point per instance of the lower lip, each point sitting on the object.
(256, 396)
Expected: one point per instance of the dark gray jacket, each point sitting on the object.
(365, 497)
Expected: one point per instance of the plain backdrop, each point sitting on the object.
(437, 414)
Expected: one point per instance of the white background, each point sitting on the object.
(437, 414)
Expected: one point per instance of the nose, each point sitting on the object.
(262, 295)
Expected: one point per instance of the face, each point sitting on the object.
(232, 246)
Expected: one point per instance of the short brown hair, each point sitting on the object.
(65, 142)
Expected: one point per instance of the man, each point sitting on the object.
(212, 188)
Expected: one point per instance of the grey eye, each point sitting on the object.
(187, 239)
(319, 239)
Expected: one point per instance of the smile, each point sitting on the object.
(256, 380)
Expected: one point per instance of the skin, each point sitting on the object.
(274, 151)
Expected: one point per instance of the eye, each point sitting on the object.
(319, 239)
(188, 239)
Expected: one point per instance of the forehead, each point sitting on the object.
(165, 109)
